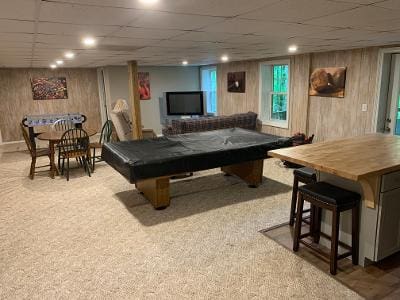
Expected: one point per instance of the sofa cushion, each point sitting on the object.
(243, 120)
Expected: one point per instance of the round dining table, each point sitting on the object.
(54, 137)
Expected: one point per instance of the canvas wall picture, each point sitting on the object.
(237, 82)
(144, 85)
(328, 82)
(49, 88)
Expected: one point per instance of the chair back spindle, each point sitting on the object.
(74, 142)
(31, 147)
(106, 132)
(63, 125)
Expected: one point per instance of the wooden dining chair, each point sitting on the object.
(74, 143)
(62, 125)
(34, 152)
(105, 137)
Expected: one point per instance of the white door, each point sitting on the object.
(393, 108)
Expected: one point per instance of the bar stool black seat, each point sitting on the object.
(303, 175)
(323, 195)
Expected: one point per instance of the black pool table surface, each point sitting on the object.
(167, 156)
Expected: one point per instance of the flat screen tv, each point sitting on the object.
(185, 103)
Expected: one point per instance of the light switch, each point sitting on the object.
(364, 107)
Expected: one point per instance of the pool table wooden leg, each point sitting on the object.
(250, 172)
(156, 190)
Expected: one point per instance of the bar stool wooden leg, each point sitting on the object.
(317, 224)
(335, 241)
(299, 217)
(312, 218)
(294, 200)
(355, 233)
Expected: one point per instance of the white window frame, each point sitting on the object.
(205, 68)
(269, 121)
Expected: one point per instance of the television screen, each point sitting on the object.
(185, 103)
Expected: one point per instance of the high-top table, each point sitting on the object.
(369, 165)
(54, 138)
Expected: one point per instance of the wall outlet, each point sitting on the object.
(364, 107)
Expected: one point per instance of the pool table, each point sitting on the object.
(150, 164)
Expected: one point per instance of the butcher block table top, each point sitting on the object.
(362, 158)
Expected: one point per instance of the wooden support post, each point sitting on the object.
(250, 172)
(134, 99)
(156, 190)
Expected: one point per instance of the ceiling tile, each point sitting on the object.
(12, 9)
(358, 18)
(146, 33)
(363, 2)
(115, 41)
(224, 8)
(201, 36)
(277, 29)
(389, 4)
(385, 25)
(165, 20)
(15, 44)
(352, 35)
(184, 44)
(17, 26)
(16, 37)
(70, 42)
(251, 39)
(298, 10)
(84, 14)
(77, 30)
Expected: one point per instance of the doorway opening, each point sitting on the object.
(389, 97)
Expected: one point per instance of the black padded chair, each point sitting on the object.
(323, 195)
(303, 175)
(105, 137)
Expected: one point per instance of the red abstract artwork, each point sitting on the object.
(144, 85)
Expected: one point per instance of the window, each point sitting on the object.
(209, 87)
(274, 93)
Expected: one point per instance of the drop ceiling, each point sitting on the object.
(33, 33)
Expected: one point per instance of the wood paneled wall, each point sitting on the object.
(331, 118)
(16, 98)
(327, 118)
(231, 103)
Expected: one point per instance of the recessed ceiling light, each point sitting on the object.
(185, 62)
(59, 62)
(292, 48)
(224, 58)
(89, 41)
(53, 66)
(69, 55)
(149, 2)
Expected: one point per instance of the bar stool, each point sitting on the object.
(303, 175)
(323, 195)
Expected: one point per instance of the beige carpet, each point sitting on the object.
(96, 238)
